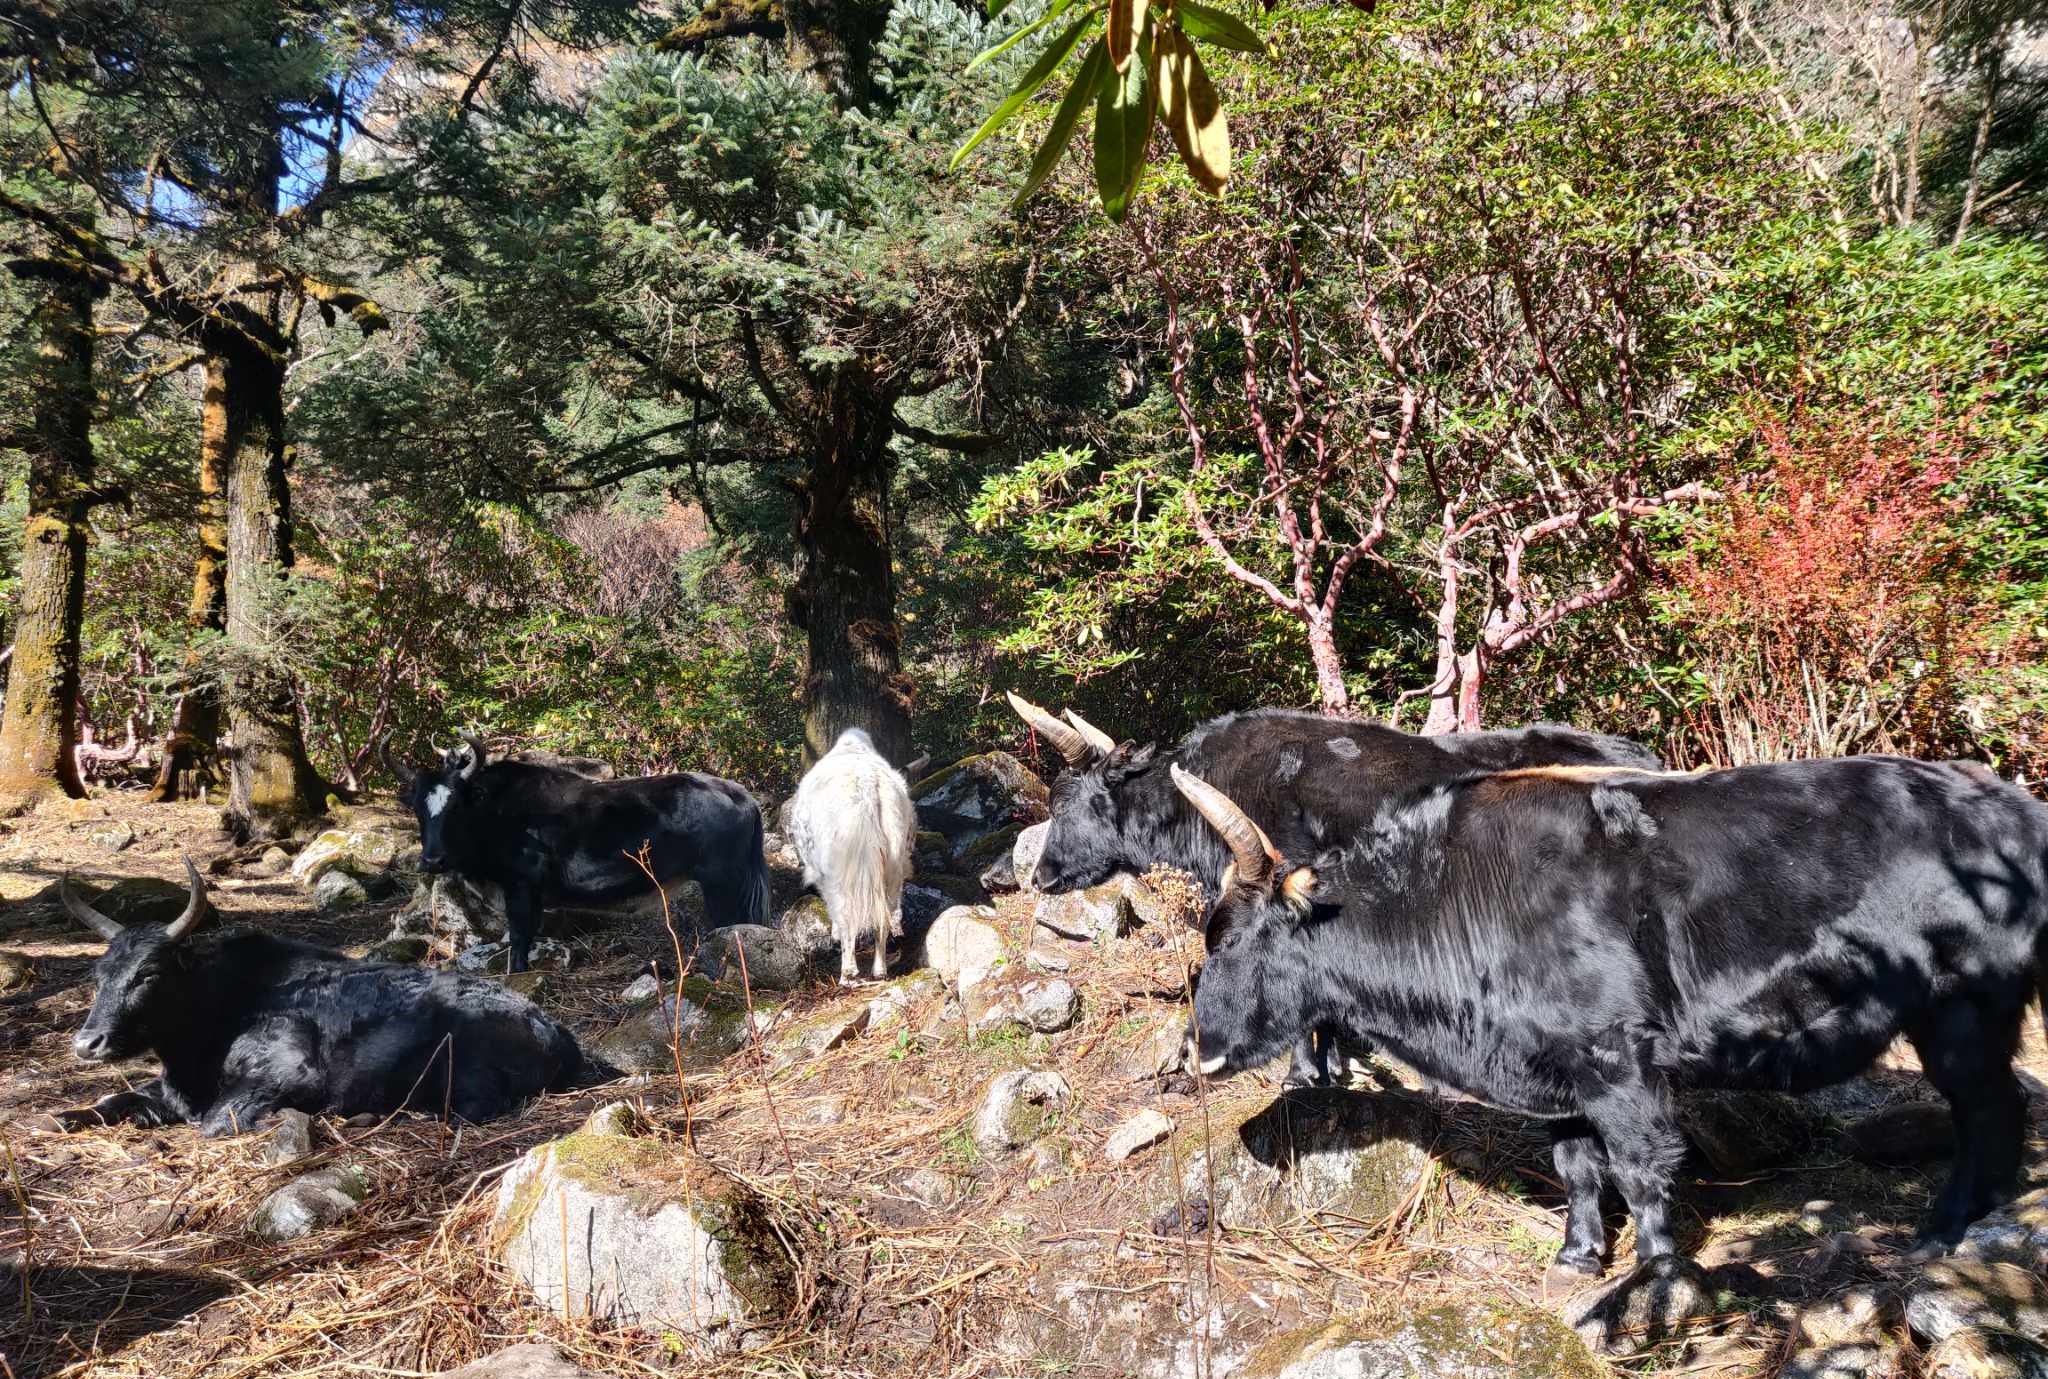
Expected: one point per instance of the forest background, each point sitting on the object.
(654, 385)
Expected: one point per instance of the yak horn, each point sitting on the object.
(108, 929)
(1248, 844)
(1064, 737)
(1101, 741)
(400, 772)
(476, 753)
(196, 909)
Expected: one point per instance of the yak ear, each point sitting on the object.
(1299, 889)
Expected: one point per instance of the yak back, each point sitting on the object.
(370, 1021)
(1313, 782)
(1775, 925)
(516, 810)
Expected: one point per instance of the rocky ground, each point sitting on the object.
(989, 1166)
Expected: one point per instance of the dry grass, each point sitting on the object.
(123, 1252)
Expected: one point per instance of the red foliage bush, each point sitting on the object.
(1834, 607)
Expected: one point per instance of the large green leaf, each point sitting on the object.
(1086, 78)
(1206, 25)
(1048, 62)
(1123, 124)
(1190, 109)
(1057, 8)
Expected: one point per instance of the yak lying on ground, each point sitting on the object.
(1578, 944)
(542, 834)
(247, 1024)
(852, 824)
(1311, 782)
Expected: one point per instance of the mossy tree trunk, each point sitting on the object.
(272, 787)
(845, 599)
(195, 723)
(39, 726)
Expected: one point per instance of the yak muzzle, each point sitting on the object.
(90, 1046)
(1191, 1058)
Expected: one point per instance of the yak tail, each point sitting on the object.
(866, 898)
(754, 901)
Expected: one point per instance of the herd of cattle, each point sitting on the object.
(1542, 919)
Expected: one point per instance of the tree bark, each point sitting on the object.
(832, 43)
(845, 597)
(272, 786)
(1994, 67)
(39, 726)
(195, 723)
(1329, 664)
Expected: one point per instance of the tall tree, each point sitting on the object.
(220, 136)
(779, 307)
(38, 730)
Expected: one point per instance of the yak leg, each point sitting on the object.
(1966, 1046)
(848, 929)
(1310, 1065)
(1582, 1167)
(274, 1064)
(149, 1106)
(522, 918)
(1633, 1114)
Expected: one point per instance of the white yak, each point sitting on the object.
(854, 827)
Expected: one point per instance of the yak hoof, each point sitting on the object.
(1926, 1250)
(66, 1122)
(1565, 1277)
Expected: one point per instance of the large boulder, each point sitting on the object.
(1668, 1299)
(339, 890)
(452, 913)
(1956, 1295)
(1024, 853)
(309, 1202)
(1017, 1108)
(1486, 1341)
(358, 851)
(964, 946)
(637, 1231)
(983, 852)
(1097, 914)
(1741, 1134)
(1027, 1002)
(771, 958)
(980, 795)
(701, 1021)
(2017, 1233)
(1310, 1152)
(1905, 1133)
(527, 1360)
(807, 925)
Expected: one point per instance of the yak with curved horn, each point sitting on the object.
(247, 1024)
(1583, 946)
(1309, 782)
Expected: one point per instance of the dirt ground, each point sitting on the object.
(123, 1251)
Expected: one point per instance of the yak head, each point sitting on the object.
(1251, 998)
(438, 796)
(1084, 841)
(143, 987)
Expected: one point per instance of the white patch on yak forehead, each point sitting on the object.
(437, 800)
